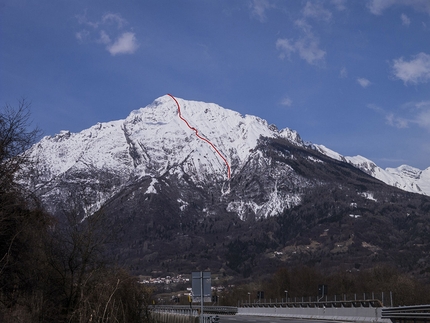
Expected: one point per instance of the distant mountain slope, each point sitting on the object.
(405, 177)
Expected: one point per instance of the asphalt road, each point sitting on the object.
(262, 319)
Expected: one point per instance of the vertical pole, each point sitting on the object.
(391, 298)
(201, 297)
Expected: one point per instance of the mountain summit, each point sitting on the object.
(153, 141)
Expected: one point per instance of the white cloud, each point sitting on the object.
(363, 82)
(83, 20)
(258, 9)
(417, 114)
(423, 116)
(378, 6)
(304, 26)
(286, 48)
(317, 11)
(286, 102)
(339, 4)
(307, 46)
(415, 71)
(405, 20)
(82, 35)
(104, 38)
(423, 119)
(125, 44)
(396, 121)
(114, 18)
(309, 50)
(343, 73)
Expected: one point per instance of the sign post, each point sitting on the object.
(201, 287)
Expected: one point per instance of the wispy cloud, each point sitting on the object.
(104, 38)
(343, 73)
(377, 7)
(307, 48)
(116, 40)
(397, 121)
(286, 46)
(317, 11)
(405, 20)
(411, 114)
(286, 102)
(340, 5)
(82, 35)
(423, 116)
(307, 45)
(114, 18)
(363, 82)
(415, 71)
(259, 8)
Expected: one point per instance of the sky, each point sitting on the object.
(353, 75)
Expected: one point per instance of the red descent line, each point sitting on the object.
(202, 138)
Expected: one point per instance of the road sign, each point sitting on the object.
(197, 277)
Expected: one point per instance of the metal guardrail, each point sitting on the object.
(354, 303)
(420, 313)
(220, 310)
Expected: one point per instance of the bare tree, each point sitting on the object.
(22, 228)
(16, 137)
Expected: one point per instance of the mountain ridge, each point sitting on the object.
(131, 149)
(405, 177)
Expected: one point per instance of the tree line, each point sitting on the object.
(55, 269)
(302, 282)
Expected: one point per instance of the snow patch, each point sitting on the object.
(151, 188)
(368, 195)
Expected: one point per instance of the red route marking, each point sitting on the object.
(202, 138)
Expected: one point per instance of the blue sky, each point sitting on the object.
(351, 75)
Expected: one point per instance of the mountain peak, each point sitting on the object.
(153, 141)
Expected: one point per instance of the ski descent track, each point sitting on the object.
(200, 137)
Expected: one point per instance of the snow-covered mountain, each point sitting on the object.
(405, 177)
(150, 142)
(167, 193)
(154, 141)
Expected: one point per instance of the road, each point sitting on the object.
(262, 319)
